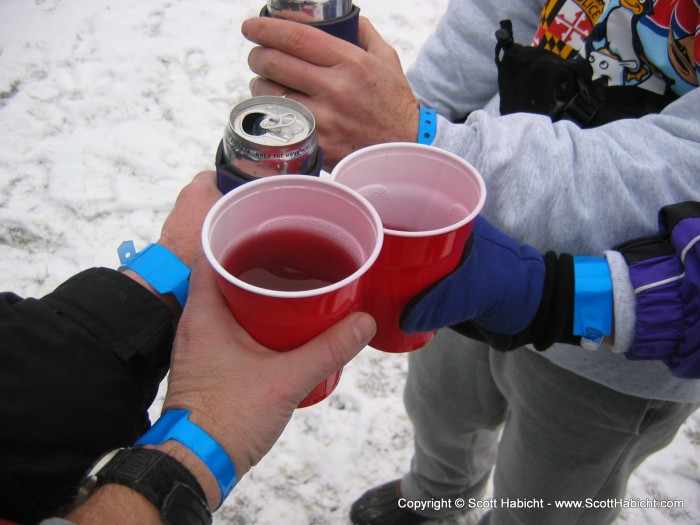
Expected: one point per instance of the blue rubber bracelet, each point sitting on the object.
(175, 425)
(427, 125)
(159, 267)
(593, 300)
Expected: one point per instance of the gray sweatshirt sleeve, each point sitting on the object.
(555, 186)
(562, 188)
(465, 40)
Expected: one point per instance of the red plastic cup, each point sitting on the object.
(291, 254)
(428, 199)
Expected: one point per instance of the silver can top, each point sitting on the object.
(309, 10)
(270, 135)
(272, 121)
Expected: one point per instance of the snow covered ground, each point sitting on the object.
(108, 108)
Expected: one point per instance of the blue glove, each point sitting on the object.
(497, 286)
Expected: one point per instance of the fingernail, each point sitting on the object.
(244, 28)
(364, 328)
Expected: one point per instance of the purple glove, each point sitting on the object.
(665, 272)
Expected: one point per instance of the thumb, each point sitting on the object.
(331, 350)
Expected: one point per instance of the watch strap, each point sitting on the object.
(178, 508)
(164, 481)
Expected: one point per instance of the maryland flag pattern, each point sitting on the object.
(565, 25)
(646, 43)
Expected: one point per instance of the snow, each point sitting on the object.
(106, 110)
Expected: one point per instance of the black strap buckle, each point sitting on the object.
(582, 108)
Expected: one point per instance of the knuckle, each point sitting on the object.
(270, 65)
(293, 39)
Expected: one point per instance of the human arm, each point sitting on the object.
(550, 184)
(180, 233)
(509, 295)
(82, 365)
(241, 393)
(361, 96)
(79, 367)
(556, 185)
(455, 72)
(534, 169)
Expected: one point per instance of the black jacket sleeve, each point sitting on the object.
(78, 370)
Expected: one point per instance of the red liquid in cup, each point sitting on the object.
(292, 254)
(289, 261)
(427, 199)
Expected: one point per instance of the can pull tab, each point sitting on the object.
(278, 126)
(277, 122)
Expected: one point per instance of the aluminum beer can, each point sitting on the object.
(270, 136)
(309, 10)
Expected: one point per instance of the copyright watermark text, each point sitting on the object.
(431, 504)
(521, 503)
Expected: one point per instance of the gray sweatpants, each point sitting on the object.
(549, 435)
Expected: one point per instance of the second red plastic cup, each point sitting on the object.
(427, 199)
(291, 254)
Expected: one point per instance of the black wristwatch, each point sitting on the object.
(161, 479)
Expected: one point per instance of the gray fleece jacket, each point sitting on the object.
(556, 186)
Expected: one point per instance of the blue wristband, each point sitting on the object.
(427, 125)
(593, 300)
(175, 425)
(159, 267)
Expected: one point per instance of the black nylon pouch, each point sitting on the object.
(534, 80)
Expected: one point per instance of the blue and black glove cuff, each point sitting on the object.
(554, 320)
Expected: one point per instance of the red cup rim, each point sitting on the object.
(412, 146)
(292, 180)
